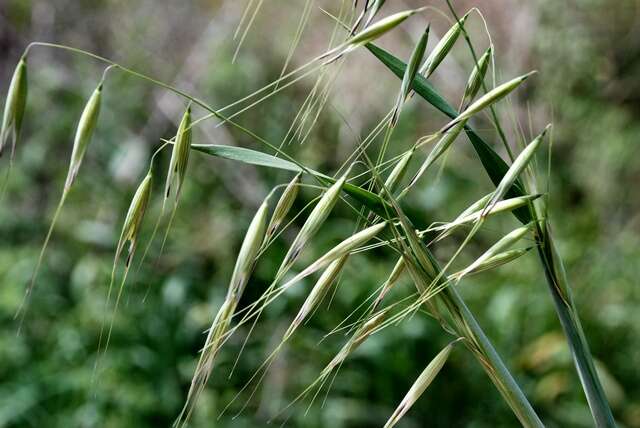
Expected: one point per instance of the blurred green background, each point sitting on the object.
(588, 56)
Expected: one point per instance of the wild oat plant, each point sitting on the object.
(372, 184)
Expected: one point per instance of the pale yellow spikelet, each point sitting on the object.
(284, 204)
(519, 164)
(313, 223)
(420, 385)
(318, 291)
(393, 278)
(439, 149)
(136, 212)
(490, 98)
(362, 334)
(340, 250)
(442, 49)
(248, 251)
(494, 262)
(379, 28)
(504, 243)
(506, 205)
(476, 78)
(410, 74)
(398, 172)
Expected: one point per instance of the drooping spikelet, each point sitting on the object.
(14, 107)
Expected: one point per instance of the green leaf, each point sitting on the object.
(249, 156)
(493, 164)
(255, 157)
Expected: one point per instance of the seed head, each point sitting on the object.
(396, 175)
(519, 164)
(84, 132)
(315, 220)
(14, 106)
(495, 261)
(397, 271)
(284, 204)
(367, 329)
(504, 243)
(491, 97)
(410, 73)
(439, 149)
(442, 48)
(248, 252)
(477, 76)
(319, 290)
(136, 212)
(506, 205)
(358, 338)
(420, 385)
(179, 155)
(379, 28)
(340, 250)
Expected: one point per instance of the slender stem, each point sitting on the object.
(568, 316)
(496, 368)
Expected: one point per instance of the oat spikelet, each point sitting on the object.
(504, 243)
(249, 251)
(397, 174)
(438, 150)
(318, 291)
(219, 329)
(476, 78)
(519, 164)
(14, 107)
(179, 156)
(394, 276)
(129, 234)
(284, 204)
(420, 385)
(313, 223)
(378, 28)
(362, 334)
(490, 98)
(84, 132)
(442, 48)
(494, 262)
(340, 250)
(410, 74)
(175, 175)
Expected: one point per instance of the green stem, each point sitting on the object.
(568, 316)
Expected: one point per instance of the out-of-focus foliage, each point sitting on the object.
(588, 55)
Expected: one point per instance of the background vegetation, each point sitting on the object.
(588, 55)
